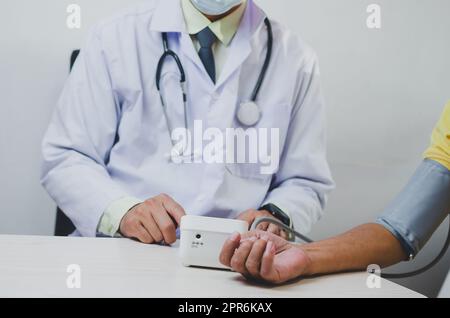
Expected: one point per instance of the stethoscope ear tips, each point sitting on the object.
(249, 114)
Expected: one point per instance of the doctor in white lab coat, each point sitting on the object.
(105, 154)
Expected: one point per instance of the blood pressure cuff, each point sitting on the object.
(420, 208)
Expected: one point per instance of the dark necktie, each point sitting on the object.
(206, 38)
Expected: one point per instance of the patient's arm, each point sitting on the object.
(407, 223)
(402, 230)
(267, 257)
(355, 250)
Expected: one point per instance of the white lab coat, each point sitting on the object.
(108, 138)
(445, 291)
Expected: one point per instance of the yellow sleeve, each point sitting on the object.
(440, 141)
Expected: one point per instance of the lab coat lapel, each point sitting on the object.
(188, 50)
(240, 48)
(169, 17)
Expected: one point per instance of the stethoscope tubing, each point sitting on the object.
(267, 61)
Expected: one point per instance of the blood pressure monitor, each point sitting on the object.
(202, 239)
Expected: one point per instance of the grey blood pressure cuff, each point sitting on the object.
(420, 208)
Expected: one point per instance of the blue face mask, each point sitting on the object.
(215, 7)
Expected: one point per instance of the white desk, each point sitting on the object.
(37, 267)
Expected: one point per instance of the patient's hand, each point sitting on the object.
(264, 256)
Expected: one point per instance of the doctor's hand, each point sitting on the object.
(265, 257)
(251, 215)
(153, 221)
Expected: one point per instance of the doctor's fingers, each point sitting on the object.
(263, 226)
(175, 210)
(274, 229)
(151, 226)
(141, 234)
(248, 216)
(165, 223)
(283, 235)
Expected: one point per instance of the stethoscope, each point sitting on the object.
(248, 114)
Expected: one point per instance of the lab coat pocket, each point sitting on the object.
(250, 172)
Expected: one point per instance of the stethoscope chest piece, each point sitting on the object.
(249, 114)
